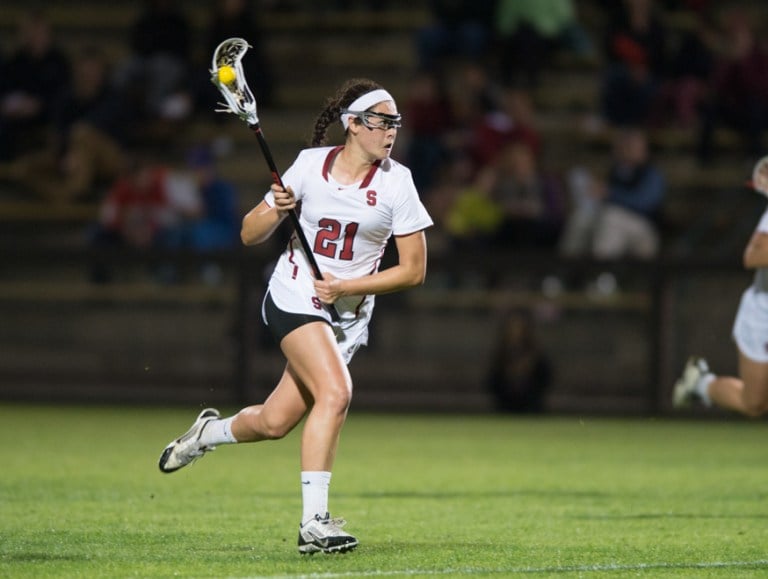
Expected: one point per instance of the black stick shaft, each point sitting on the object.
(292, 213)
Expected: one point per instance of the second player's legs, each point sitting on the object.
(747, 394)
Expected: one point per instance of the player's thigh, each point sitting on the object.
(755, 377)
(315, 360)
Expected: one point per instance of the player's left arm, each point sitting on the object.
(410, 271)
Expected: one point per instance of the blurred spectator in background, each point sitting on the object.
(512, 119)
(143, 205)
(635, 52)
(458, 30)
(739, 95)
(472, 94)
(618, 216)
(34, 74)
(585, 193)
(520, 374)
(217, 225)
(487, 119)
(237, 19)
(429, 118)
(531, 201)
(528, 32)
(468, 215)
(691, 64)
(156, 73)
(89, 125)
(627, 224)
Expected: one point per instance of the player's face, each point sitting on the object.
(378, 138)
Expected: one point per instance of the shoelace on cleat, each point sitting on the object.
(333, 524)
(198, 452)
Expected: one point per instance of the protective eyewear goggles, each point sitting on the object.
(373, 120)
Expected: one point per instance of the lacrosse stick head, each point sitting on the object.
(759, 180)
(238, 97)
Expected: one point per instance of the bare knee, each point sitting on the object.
(335, 398)
(275, 429)
(754, 400)
(254, 424)
(755, 408)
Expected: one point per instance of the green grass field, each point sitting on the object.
(428, 496)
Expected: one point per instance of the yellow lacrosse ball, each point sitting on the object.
(227, 75)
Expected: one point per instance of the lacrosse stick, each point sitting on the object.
(759, 180)
(228, 76)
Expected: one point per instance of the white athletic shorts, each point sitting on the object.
(351, 333)
(750, 329)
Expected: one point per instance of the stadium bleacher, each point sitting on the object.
(313, 50)
(312, 53)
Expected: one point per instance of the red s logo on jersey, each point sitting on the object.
(371, 196)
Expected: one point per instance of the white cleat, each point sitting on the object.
(325, 535)
(187, 448)
(685, 391)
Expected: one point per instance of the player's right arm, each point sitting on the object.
(261, 221)
(756, 252)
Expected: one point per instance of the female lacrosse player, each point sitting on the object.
(353, 198)
(747, 394)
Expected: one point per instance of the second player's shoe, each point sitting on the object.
(325, 535)
(686, 392)
(187, 448)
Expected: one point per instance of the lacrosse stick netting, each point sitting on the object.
(239, 98)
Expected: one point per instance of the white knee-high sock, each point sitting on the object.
(218, 432)
(314, 492)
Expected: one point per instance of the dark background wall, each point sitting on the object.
(62, 338)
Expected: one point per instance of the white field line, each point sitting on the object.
(523, 570)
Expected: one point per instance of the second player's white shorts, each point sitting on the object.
(750, 329)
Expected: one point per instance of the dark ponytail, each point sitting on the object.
(345, 96)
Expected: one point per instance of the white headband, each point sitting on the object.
(364, 102)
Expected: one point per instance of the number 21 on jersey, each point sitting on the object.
(335, 240)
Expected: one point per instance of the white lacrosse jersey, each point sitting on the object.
(750, 328)
(347, 228)
(760, 282)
